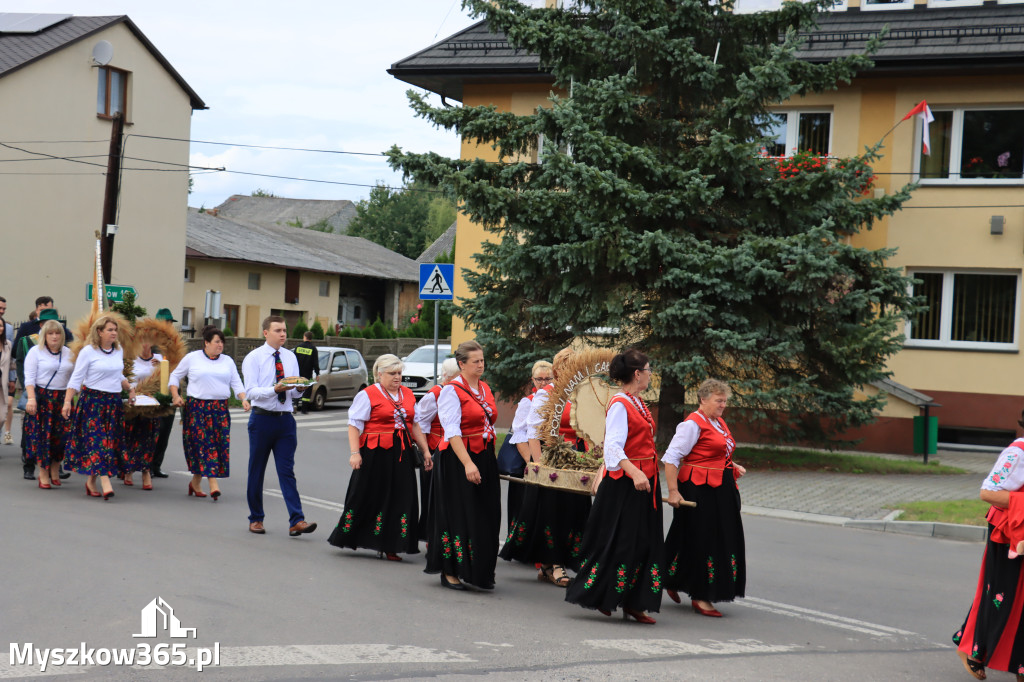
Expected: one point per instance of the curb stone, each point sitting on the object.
(948, 531)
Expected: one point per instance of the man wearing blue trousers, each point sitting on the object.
(271, 425)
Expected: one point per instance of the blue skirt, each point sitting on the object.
(97, 433)
(206, 435)
(46, 431)
(139, 444)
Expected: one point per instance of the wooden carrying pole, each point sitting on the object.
(513, 479)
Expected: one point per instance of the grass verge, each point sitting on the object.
(789, 459)
(970, 512)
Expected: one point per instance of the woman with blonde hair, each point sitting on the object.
(463, 534)
(48, 368)
(97, 429)
(704, 550)
(540, 376)
(380, 505)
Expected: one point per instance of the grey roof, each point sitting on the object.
(904, 393)
(443, 245)
(219, 238)
(474, 53)
(18, 50)
(281, 211)
(924, 38)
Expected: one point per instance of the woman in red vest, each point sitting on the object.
(463, 536)
(549, 524)
(430, 425)
(992, 635)
(623, 545)
(704, 548)
(380, 505)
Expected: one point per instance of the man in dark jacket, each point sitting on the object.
(309, 364)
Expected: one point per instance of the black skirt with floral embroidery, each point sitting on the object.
(623, 550)
(548, 528)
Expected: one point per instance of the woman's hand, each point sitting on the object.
(428, 461)
(66, 410)
(674, 498)
(178, 401)
(473, 474)
(246, 405)
(355, 460)
(30, 406)
(738, 471)
(640, 481)
(131, 395)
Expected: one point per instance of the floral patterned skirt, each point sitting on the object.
(97, 433)
(139, 444)
(548, 528)
(206, 436)
(991, 633)
(463, 533)
(46, 431)
(704, 549)
(381, 506)
(623, 550)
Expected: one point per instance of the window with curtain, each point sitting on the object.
(971, 145)
(966, 310)
(798, 131)
(111, 91)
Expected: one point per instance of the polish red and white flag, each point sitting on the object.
(925, 114)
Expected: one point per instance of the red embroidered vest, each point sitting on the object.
(711, 454)
(380, 428)
(477, 428)
(639, 445)
(436, 434)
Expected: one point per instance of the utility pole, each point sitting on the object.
(110, 194)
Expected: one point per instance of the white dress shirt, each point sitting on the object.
(687, 433)
(616, 428)
(533, 418)
(520, 432)
(1007, 473)
(259, 378)
(208, 379)
(98, 370)
(426, 410)
(44, 369)
(143, 369)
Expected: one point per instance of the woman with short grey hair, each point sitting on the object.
(381, 511)
(430, 425)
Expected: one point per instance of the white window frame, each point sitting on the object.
(868, 6)
(187, 315)
(946, 313)
(956, 147)
(793, 127)
(954, 3)
(325, 287)
(190, 273)
(259, 281)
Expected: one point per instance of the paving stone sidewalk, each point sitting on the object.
(864, 496)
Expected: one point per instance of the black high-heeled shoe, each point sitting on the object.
(452, 586)
(214, 494)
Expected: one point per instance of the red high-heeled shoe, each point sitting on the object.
(215, 494)
(107, 496)
(55, 481)
(44, 486)
(605, 612)
(673, 595)
(713, 613)
(89, 491)
(639, 616)
(193, 491)
(127, 481)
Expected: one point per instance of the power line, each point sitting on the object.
(257, 146)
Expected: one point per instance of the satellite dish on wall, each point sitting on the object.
(102, 53)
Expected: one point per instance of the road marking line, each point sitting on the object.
(334, 422)
(310, 501)
(671, 647)
(337, 430)
(329, 654)
(809, 615)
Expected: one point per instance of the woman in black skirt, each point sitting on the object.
(463, 537)
(704, 548)
(97, 428)
(623, 545)
(380, 505)
(548, 529)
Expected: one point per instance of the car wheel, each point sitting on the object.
(319, 399)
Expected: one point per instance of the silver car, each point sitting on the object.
(418, 373)
(342, 375)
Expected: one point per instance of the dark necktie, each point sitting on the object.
(278, 373)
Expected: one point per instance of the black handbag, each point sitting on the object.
(510, 462)
(416, 452)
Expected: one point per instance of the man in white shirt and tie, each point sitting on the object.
(271, 424)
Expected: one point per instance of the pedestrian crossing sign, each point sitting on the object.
(436, 281)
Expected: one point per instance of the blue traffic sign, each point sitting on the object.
(436, 281)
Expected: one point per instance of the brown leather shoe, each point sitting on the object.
(256, 527)
(301, 527)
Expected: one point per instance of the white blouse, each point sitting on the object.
(533, 419)
(426, 410)
(143, 369)
(449, 407)
(359, 412)
(616, 429)
(1007, 473)
(44, 369)
(98, 370)
(208, 379)
(687, 433)
(520, 432)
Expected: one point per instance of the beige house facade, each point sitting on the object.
(55, 93)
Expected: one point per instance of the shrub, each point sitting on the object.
(317, 329)
(300, 328)
(227, 331)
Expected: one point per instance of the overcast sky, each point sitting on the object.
(307, 73)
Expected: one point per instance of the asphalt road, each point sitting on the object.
(824, 603)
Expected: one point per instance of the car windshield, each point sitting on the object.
(426, 354)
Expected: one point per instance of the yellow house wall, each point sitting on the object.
(49, 219)
(232, 280)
